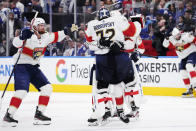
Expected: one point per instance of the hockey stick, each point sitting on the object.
(107, 7)
(156, 57)
(24, 43)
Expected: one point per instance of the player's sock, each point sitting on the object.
(14, 105)
(43, 102)
(119, 102)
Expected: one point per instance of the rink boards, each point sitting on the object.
(71, 74)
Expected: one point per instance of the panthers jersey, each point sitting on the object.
(35, 48)
(114, 28)
(184, 46)
(134, 43)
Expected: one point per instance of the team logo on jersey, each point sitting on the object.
(37, 52)
(61, 71)
(180, 48)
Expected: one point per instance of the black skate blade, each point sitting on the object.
(91, 124)
(188, 96)
(40, 122)
(9, 124)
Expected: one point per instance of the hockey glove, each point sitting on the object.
(65, 30)
(116, 47)
(135, 56)
(25, 34)
(105, 42)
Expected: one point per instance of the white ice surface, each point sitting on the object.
(70, 112)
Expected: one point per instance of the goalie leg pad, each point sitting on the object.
(133, 93)
(99, 107)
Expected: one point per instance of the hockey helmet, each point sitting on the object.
(37, 21)
(175, 32)
(139, 18)
(103, 13)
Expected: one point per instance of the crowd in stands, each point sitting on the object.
(161, 16)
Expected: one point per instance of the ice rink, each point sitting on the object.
(70, 112)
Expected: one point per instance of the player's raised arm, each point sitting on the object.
(58, 36)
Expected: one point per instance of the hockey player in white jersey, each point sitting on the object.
(106, 36)
(132, 84)
(27, 70)
(184, 43)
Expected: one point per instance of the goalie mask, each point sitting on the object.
(103, 13)
(139, 18)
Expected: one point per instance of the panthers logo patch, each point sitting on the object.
(37, 52)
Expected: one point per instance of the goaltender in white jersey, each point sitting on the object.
(115, 28)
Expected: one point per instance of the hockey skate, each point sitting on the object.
(134, 114)
(188, 93)
(40, 119)
(122, 116)
(105, 118)
(9, 121)
(101, 121)
(93, 122)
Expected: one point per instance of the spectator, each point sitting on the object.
(13, 49)
(101, 3)
(60, 9)
(127, 5)
(20, 5)
(171, 23)
(5, 7)
(2, 49)
(81, 35)
(108, 3)
(189, 24)
(36, 6)
(67, 6)
(70, 50)
(180, 23)
(160, 8)
(172, 10)
(13, 25)
(180, 11)
(29, 7)
(159, 34)
(81, 49)
(15, 10)
(82, 26)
